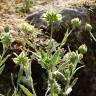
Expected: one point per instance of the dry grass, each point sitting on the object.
(79, 2)
(67, 2)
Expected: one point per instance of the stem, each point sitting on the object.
(19, 75)
(13, 85)
(92, 36)
(51, 82)
(66, 37)
(33, 90)
(47, 91)
(51, 31)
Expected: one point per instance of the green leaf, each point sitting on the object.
(25, 90)
(2, 68)
(30, 44)
(43, 54)
(56, 57)
(65, 37)
(74, 82)
(75, 70)
(2, 61)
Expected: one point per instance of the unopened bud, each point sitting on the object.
(76, 22)
(68, 91)
(88, 27)
(83, 49)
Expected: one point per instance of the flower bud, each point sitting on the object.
(68, 91)
(58, 75)
(88, 27)
(6, 39)
(51, 17)
(70, 57)
(7, 28)
(83, 49)
(59, 17)
(76, 22)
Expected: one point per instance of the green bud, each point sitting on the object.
(59, 17)
(88, 27)
(26, 28)
(76, 22)
(7, 28)
(21, 59)
(68, 91)
(83, 49)
(70, 57)
(58, 75)
(51, 17)
(6, 39)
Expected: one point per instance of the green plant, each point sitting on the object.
(6, 40)
(51, 60)
(25, 90)
(76, 22)
(50, 18)
(88, 28)
(26, 28)
(60, 66)
(25, 6)
(25, 67)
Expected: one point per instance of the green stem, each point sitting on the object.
(92, 36)
(66, 37)
(51, 82)
(19, 75)
(33, 90)
(51, 31)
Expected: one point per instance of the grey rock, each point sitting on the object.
(67, 13)
(60, 27)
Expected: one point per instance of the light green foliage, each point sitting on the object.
(51, 17)
(88, 27)
(25, 90)
(25, 66)
(83, 49)
(27, 4)
(59, 65)
(26, 28)
(7, 28)
(6, 39)
(21, 58)
(76, 22)
(49, 60)
(2, 63)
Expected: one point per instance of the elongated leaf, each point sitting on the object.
(3, 60)
(25, 90)
(43, 54)
(30, 44)
(65, 37)
(74, 82)
(55, 58)
(2, 68)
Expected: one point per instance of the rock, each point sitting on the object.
(60, 27)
